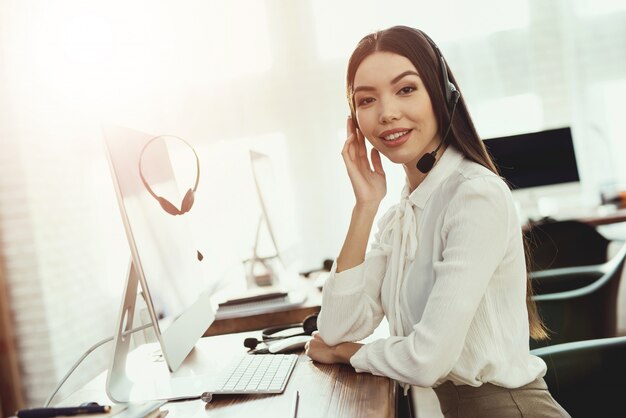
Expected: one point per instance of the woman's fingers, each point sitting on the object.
(360, 143)
(366, 181)
(376, 162)
(349, 152)
(349, 127)
(351, 135)
(346, 151)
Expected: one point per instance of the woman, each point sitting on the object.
(447, 267)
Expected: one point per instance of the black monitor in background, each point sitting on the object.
(535, 159)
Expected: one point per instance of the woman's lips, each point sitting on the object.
(398, 141)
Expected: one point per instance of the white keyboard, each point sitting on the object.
(254, 374)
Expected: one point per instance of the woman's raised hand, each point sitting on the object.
(369, 185)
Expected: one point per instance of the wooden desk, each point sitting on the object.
(611, 218)
(593, 220)
(325, 390)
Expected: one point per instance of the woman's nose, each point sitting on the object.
(388, 113)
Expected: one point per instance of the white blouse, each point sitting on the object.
(447, 269)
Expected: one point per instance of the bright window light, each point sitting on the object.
(595, 7)
(614, 92)
(444, 21)
(113, 57)
(501, 117)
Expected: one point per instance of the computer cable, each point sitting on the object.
(84, 356)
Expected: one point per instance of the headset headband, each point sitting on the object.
(189, 196)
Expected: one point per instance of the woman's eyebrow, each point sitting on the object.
(401, 76)
(394, 81)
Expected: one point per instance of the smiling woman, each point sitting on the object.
(447, 267)
(387, 90)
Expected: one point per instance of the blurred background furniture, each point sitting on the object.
(579, 303)
(587, 377)
(556, 244)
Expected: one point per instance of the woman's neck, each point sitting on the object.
(416, 177)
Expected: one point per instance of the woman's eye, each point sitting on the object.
(365, 101)
(407, 90)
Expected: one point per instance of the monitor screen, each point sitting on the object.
(175, 281)
(535, 159)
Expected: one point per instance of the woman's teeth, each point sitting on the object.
(395, 136)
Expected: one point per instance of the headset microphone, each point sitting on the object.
(426, 163)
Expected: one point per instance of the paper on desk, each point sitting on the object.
(141, 410)
(132, 410)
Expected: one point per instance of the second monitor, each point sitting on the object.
(538, 166)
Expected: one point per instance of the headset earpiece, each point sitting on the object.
(187, 202)
(168, 206)
(309, 325)
(189, 198)
(454, 94)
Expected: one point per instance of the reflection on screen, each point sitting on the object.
(160, 241)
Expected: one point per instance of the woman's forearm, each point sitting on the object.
(344, 352)
(355, 245)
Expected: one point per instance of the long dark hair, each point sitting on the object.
(415, 46)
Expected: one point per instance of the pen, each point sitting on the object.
(296, 398)
(67, 411)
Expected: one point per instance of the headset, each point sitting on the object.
(452, 94)
(308, 325)
(188, 200)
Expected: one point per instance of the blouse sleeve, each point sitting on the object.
(351, 304)
(475, 235)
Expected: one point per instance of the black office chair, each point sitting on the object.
(557, 244)
(587, 377)
(579, 303)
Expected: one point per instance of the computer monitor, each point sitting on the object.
(165, 263)
(263, 175)
(535, 159)
(272, 217)
(536, 165)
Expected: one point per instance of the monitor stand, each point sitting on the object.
(262, 271)
(143, 374)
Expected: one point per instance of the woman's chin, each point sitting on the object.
(403, 159)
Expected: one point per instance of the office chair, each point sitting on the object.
(587, 377)
(556, 244)
(584, 304)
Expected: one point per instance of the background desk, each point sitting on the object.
(273, 318)
(325, 390)
(595, 220)
(611, 218)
